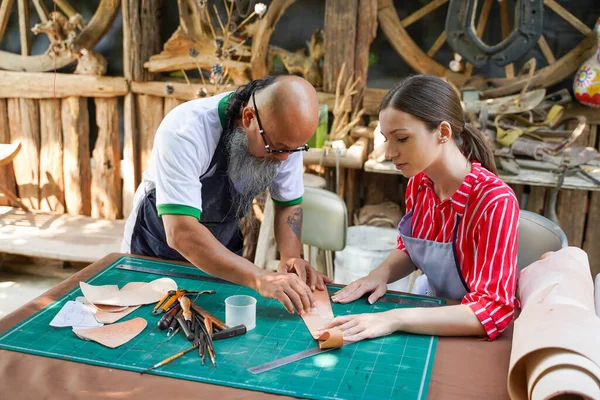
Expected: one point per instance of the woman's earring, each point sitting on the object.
(444, 139)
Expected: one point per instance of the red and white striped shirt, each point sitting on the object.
(486, 243)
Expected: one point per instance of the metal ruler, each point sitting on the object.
(287, 360)
(423, 302)
(171, 272)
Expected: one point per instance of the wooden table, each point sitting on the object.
(464, 368)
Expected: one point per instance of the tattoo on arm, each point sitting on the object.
(295, 222)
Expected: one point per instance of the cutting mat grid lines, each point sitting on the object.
(395, 366)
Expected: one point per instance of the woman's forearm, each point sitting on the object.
(396, 266)
(458, 320)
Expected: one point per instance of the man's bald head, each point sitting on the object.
(289, 111)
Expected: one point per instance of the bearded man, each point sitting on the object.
(210, 158)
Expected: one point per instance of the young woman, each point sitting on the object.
(460, 228)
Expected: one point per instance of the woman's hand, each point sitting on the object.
(364, 326)
(369, 284)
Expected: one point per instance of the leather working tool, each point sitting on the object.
(165, 320)
(169, 359)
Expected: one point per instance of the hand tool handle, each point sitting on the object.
(166, 319)
(229, 332)
(185, 328)
(160, 303)
(218, 323)
(173, 299)
(185, 306)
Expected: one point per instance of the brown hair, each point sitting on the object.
(432, 100)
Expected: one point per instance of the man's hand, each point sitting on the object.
(305, 271)
(289, 289)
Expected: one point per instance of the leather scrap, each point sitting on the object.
(129, 295)
(318, 317)
(113, 335)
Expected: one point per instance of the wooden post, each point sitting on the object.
(535, 202)
(149, 115)
(106, 174)
(171, 103)
(76, 139)
(150, 36)
(7, 175)
(141, 39)
(52, 184)
(340, 40)
(367, 30)
(571, 210)
(132, 66)
(351, 194)
(24, 122)
(573, 205)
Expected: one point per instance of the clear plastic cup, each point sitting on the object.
(240, 309)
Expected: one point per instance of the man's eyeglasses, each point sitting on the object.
(262, 135)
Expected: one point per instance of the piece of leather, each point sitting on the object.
(111, 314)
(318, 317)
(147, 293)
(112, 317)
(556, 349)
(109, 309)
(113, 335)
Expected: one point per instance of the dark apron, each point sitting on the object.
(218, 214)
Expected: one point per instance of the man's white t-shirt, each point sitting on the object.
(184, 145)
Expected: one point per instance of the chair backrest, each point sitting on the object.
(325, 222)
(537, 235)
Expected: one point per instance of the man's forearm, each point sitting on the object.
(288, 230)
(201, 248)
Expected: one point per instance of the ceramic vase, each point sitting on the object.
(587, 78)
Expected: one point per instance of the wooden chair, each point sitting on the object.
(7, 153)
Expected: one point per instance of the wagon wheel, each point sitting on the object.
(67, 32)
(424, 61)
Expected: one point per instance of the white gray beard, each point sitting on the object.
(250, 175)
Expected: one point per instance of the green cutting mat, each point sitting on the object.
(396, 366)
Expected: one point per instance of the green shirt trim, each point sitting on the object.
(288, 203)
(177, 209)
(222, 109)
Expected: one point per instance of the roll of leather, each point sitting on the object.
(556, 343)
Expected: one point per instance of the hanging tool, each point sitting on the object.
(169, 359)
